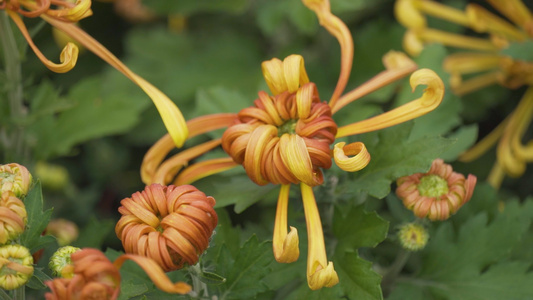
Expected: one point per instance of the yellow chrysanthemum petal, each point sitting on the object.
(408, 14)
(294, 71)
(274, 76)
(360, 156)
(431, 98)
(285, 244)
(295, 156)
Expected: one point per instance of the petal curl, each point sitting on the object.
(295, 156)
(288, 75)
(360, 156)
(431, 98)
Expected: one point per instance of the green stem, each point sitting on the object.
(392, 273)
(4, 295)
(19, 293)
(198, 286)
(14, 143)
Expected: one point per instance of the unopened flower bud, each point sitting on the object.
(15, 178)
(413, 236)
(53, 177)
(16, 266)
(63, 230)
(437, 194)
(170, 224)
(61, 262)
(13, 217)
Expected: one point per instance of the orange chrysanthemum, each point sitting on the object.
(170, 224)
(437, 194)
(15, 178)
(95, 277)
(286, 138)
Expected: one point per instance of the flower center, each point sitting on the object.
(287, 127)
(432, 186)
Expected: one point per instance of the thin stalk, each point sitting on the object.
(392, 273)
(19, 293)
(4, 295)
(14, 142)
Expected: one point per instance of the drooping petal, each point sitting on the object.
(68, 56)
(170, 114)
(360, 157)
(339, 30)
(285, 245)
(431, 98)
(516, 11)
(320, 272)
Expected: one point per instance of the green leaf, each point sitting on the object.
(167, 7)
(129, 289)
(244, 270)
(92, 115)
(355, 228)
(357, 278)
(37, 280)
(37, 221)
(393, 156)
(466, 137)
(519, 50)
(94, 233)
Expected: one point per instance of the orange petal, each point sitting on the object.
(360, 156)
(285, 244)
(203, 169)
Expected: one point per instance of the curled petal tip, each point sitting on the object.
(289, 251)
(323, 277)
(408, 14)
(286, 75)
(412, 43)
(434, 92)
(360, 156)
(397, 60)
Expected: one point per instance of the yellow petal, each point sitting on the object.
(482, 20)
(412, 43)
(285, 245)
(295, 156)
(274, 77)
(443, 12)
(304, 100)
(431, 98)
(284, 76)
(408, 14)
(514, 10)
(320, 273)
(82, 9)
(171, 115)
(360, 156)
(471, 62)
(68, 56)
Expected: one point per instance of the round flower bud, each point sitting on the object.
(13, 217)
(61, 262)
(170, 224)
(16, 266)
(15, 178)
(436, 194)
(53, 177)
(63, 230)
(413, 237)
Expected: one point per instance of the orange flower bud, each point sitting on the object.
(170, 224)
(95, 277)
(15, 178)
(12, 217)
(64, 231)
(436, 194)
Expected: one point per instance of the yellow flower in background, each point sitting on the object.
(486, 63)
(286, 138)
(62, 15)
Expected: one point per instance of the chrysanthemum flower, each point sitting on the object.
(16, 266)
(13, 217)
(15, 178)
(486, 63)
(170, 224)
(95, 277)
(413, 236)
(63, 14)
(437, 194)
(286, 138)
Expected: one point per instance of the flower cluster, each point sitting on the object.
(486, 62)
(437, 194)
(286, 138)
(170, 224)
